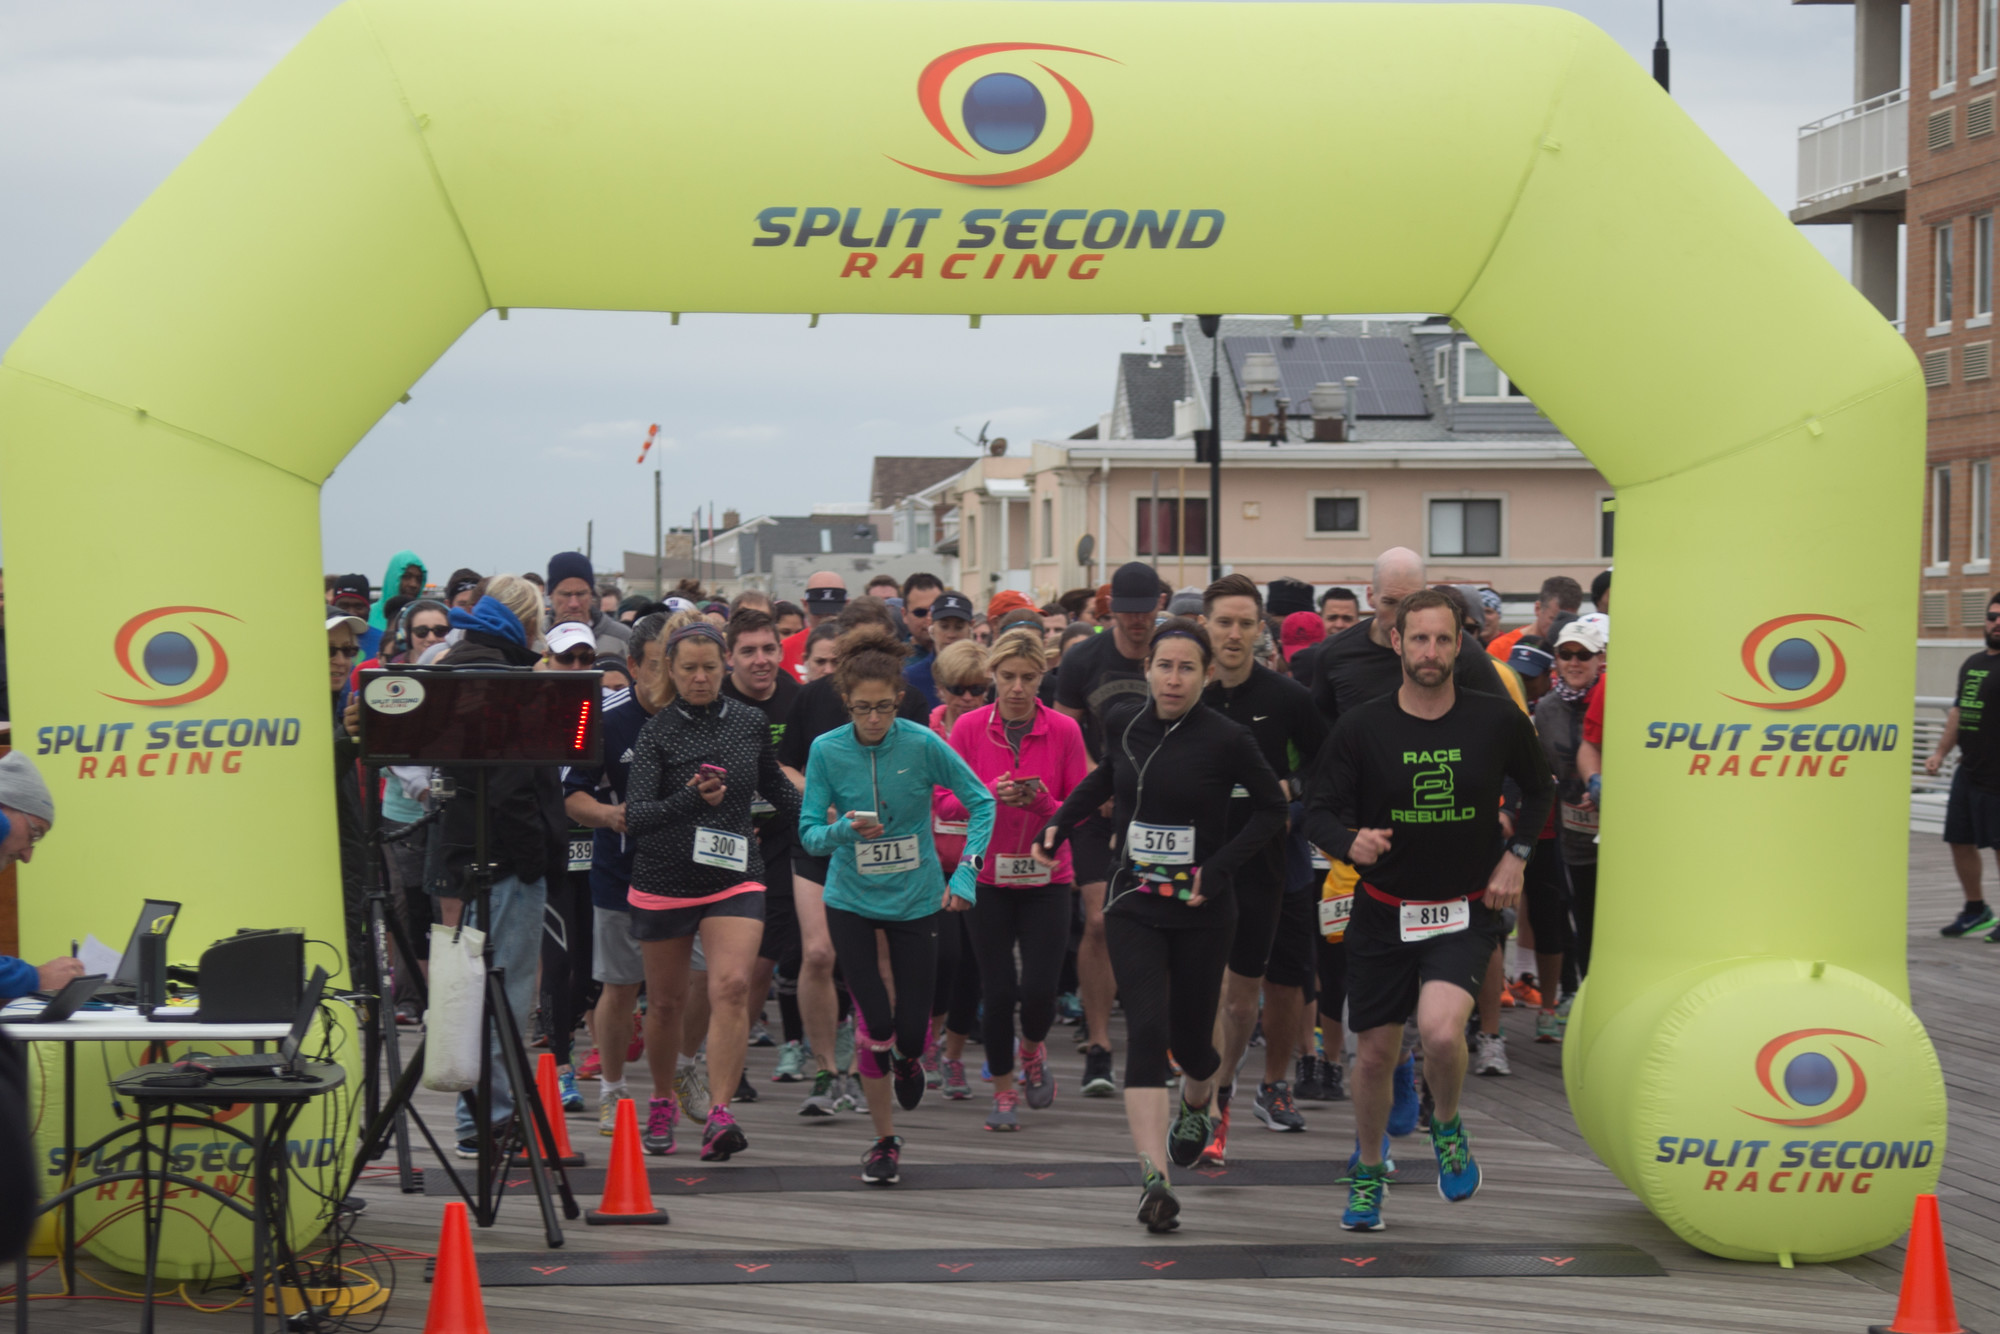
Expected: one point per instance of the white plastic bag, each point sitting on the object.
(452, 1025)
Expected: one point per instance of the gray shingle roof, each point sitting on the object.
(900, 475)
(1147, 388)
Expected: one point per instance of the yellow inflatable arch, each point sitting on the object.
(1744, 1057)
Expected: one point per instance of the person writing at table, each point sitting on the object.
(27, 813)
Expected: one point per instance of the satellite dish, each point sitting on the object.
(1086, 547)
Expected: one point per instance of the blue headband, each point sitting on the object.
(701, 629)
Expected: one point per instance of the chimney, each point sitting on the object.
(1329, 409)
(730, 519)
(1260, 395)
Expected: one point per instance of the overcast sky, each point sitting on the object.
(539, 419)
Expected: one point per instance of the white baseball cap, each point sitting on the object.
(1592, 631)
(566, 636)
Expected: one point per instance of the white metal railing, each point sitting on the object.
(1857, 146)
(1924, 735)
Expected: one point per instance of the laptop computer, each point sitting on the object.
(156, 918)
(270, 1062)
(65, 1002)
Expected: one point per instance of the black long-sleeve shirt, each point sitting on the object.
(1353, 669)
(1289, 731)
(1435, 784)
(663, 812)
(1180, 774)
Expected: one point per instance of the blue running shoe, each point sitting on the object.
(1403, 1112)
(1969, 921)
(1458, 1175)
(1364, 1201)
(1388, 1160)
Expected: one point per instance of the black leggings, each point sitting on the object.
(1332, 995)
(912, 962)
(1546, 891)
(567, 924)
(1170, 982)
(1583, 903)
(1037, 920)
(955, 994)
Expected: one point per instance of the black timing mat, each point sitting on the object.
(695, 1178)
(515, 1269)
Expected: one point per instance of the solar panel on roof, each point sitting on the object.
(1388, 385)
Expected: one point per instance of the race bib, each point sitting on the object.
(761, 809)
(1160, 844)
(950, 828)
(1019, 871)
(1238, 791)
(1320, 861)
(714, 847)
(579, 854)
(1333, 915)
(1582, 819)
(886, 856)
(1421, 921)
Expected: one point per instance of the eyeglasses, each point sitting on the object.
(884, 709)
(579, 656)
(343, 650)
(1579, 655)
(969, 688)
(37, 831)
(429, 631)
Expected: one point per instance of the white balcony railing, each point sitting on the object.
(1859, 146)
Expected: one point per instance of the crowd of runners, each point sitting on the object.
(1239, 817)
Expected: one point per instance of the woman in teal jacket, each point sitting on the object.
(867, 807)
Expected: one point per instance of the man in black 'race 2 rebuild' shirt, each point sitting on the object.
(1972, 812)
(1408, 789)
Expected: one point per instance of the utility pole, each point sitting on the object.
(590, 541)
(659, 543)
(1211, 329)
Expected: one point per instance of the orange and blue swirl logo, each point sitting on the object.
(1809, 1086)
(172, 655)
(1004, 112)
(1791, 670)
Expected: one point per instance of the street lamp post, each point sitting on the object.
(1211, 329)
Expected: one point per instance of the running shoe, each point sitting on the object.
(1491, 1056)
(1004, 1116)
(1458, 1175)
(1038, 1086)
(467, 1149)
(722, 1138)
(1069, 1009)
(1216, 1151)
(1158, 1209)
(1334, 1077)
(1388, 1159)
(1548, 1028)
(572, 1100)
(591, 1067)
(933, 1060)
(637, 1046)
(879, 1164)
(406, 1015)
(1970, 920)
(745, 1090)
(1525, 991)
(1305, 1081)
(691, 1088)
(791, 1064)
(1273, 1106)
(850, 1098)
(843, 1046)
(607, 1112)
(955, 1086)
(1189, 1135)
(1098, 1081)
(658, 1138)
(908, 1072)
(820, 1101)
(1403, 1110)
(760, 1036)
(1562, 1015)
(1364, 1200)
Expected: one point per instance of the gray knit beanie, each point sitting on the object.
(22, 788)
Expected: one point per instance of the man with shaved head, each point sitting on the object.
(826, 597)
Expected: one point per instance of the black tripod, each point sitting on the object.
(383, 1038)
(497, 1028)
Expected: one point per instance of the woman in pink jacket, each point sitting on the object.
(1031, 757)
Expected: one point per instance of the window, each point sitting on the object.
(1941, 269)
(1982, 263)
(1048, 528)
(1480, 379)
(1989, 38)
(1465, 528)
(1982, 510)
(1606, 523)
(1940, 515)
(1947, 35)
(1182, 529)
(1441, 367)
(1336, 515)
(825, 540)
(922, 539)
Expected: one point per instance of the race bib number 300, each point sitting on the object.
(715, 847)
(1160, 844)
(886, 856)
(1421, 921)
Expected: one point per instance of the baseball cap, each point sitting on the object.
(951, 606)
(354, 623)
(678, 605)
(825, 601)
(1301, 629)
(352, 586)
(1285, 595)
(1006, 600)
(1187, 602)
(567, 636)
(1489, 600)
(1531, 657)
(1592, 631)
(1133, 588)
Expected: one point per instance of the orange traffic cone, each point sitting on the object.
(1924, 1306)
(550, 1092)
(456, 1307)
(628, 1197)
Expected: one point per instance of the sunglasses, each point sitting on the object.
(429, 631)
(1580, 655)
(884, 709)
(343, 650)
(969, 688)
(921, 613)
(577, 656)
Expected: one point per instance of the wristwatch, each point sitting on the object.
(1522, 850)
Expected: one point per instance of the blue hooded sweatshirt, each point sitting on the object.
(491, 616)
(896, 780)
(392, 584)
